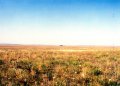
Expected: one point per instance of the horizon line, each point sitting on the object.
(17, 44)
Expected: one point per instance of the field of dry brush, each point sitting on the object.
(59, 66)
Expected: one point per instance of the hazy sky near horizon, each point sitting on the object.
(68, 22)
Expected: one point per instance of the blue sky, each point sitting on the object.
(68, 22)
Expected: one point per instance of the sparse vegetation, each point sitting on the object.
(59, 66)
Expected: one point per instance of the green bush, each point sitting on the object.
(44, 68)
(50, 75)
(24, 64)
(1, 62)
(96, 72)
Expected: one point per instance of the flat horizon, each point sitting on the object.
(61, 45)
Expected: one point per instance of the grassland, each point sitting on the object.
(59, 66)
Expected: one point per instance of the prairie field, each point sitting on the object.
(59, 66)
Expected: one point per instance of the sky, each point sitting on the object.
(56, 22)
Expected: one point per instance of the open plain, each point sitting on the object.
(27, 65)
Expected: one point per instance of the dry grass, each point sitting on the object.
(59, 66)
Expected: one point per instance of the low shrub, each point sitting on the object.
(97, 72)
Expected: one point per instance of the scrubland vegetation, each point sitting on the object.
(59, 66)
